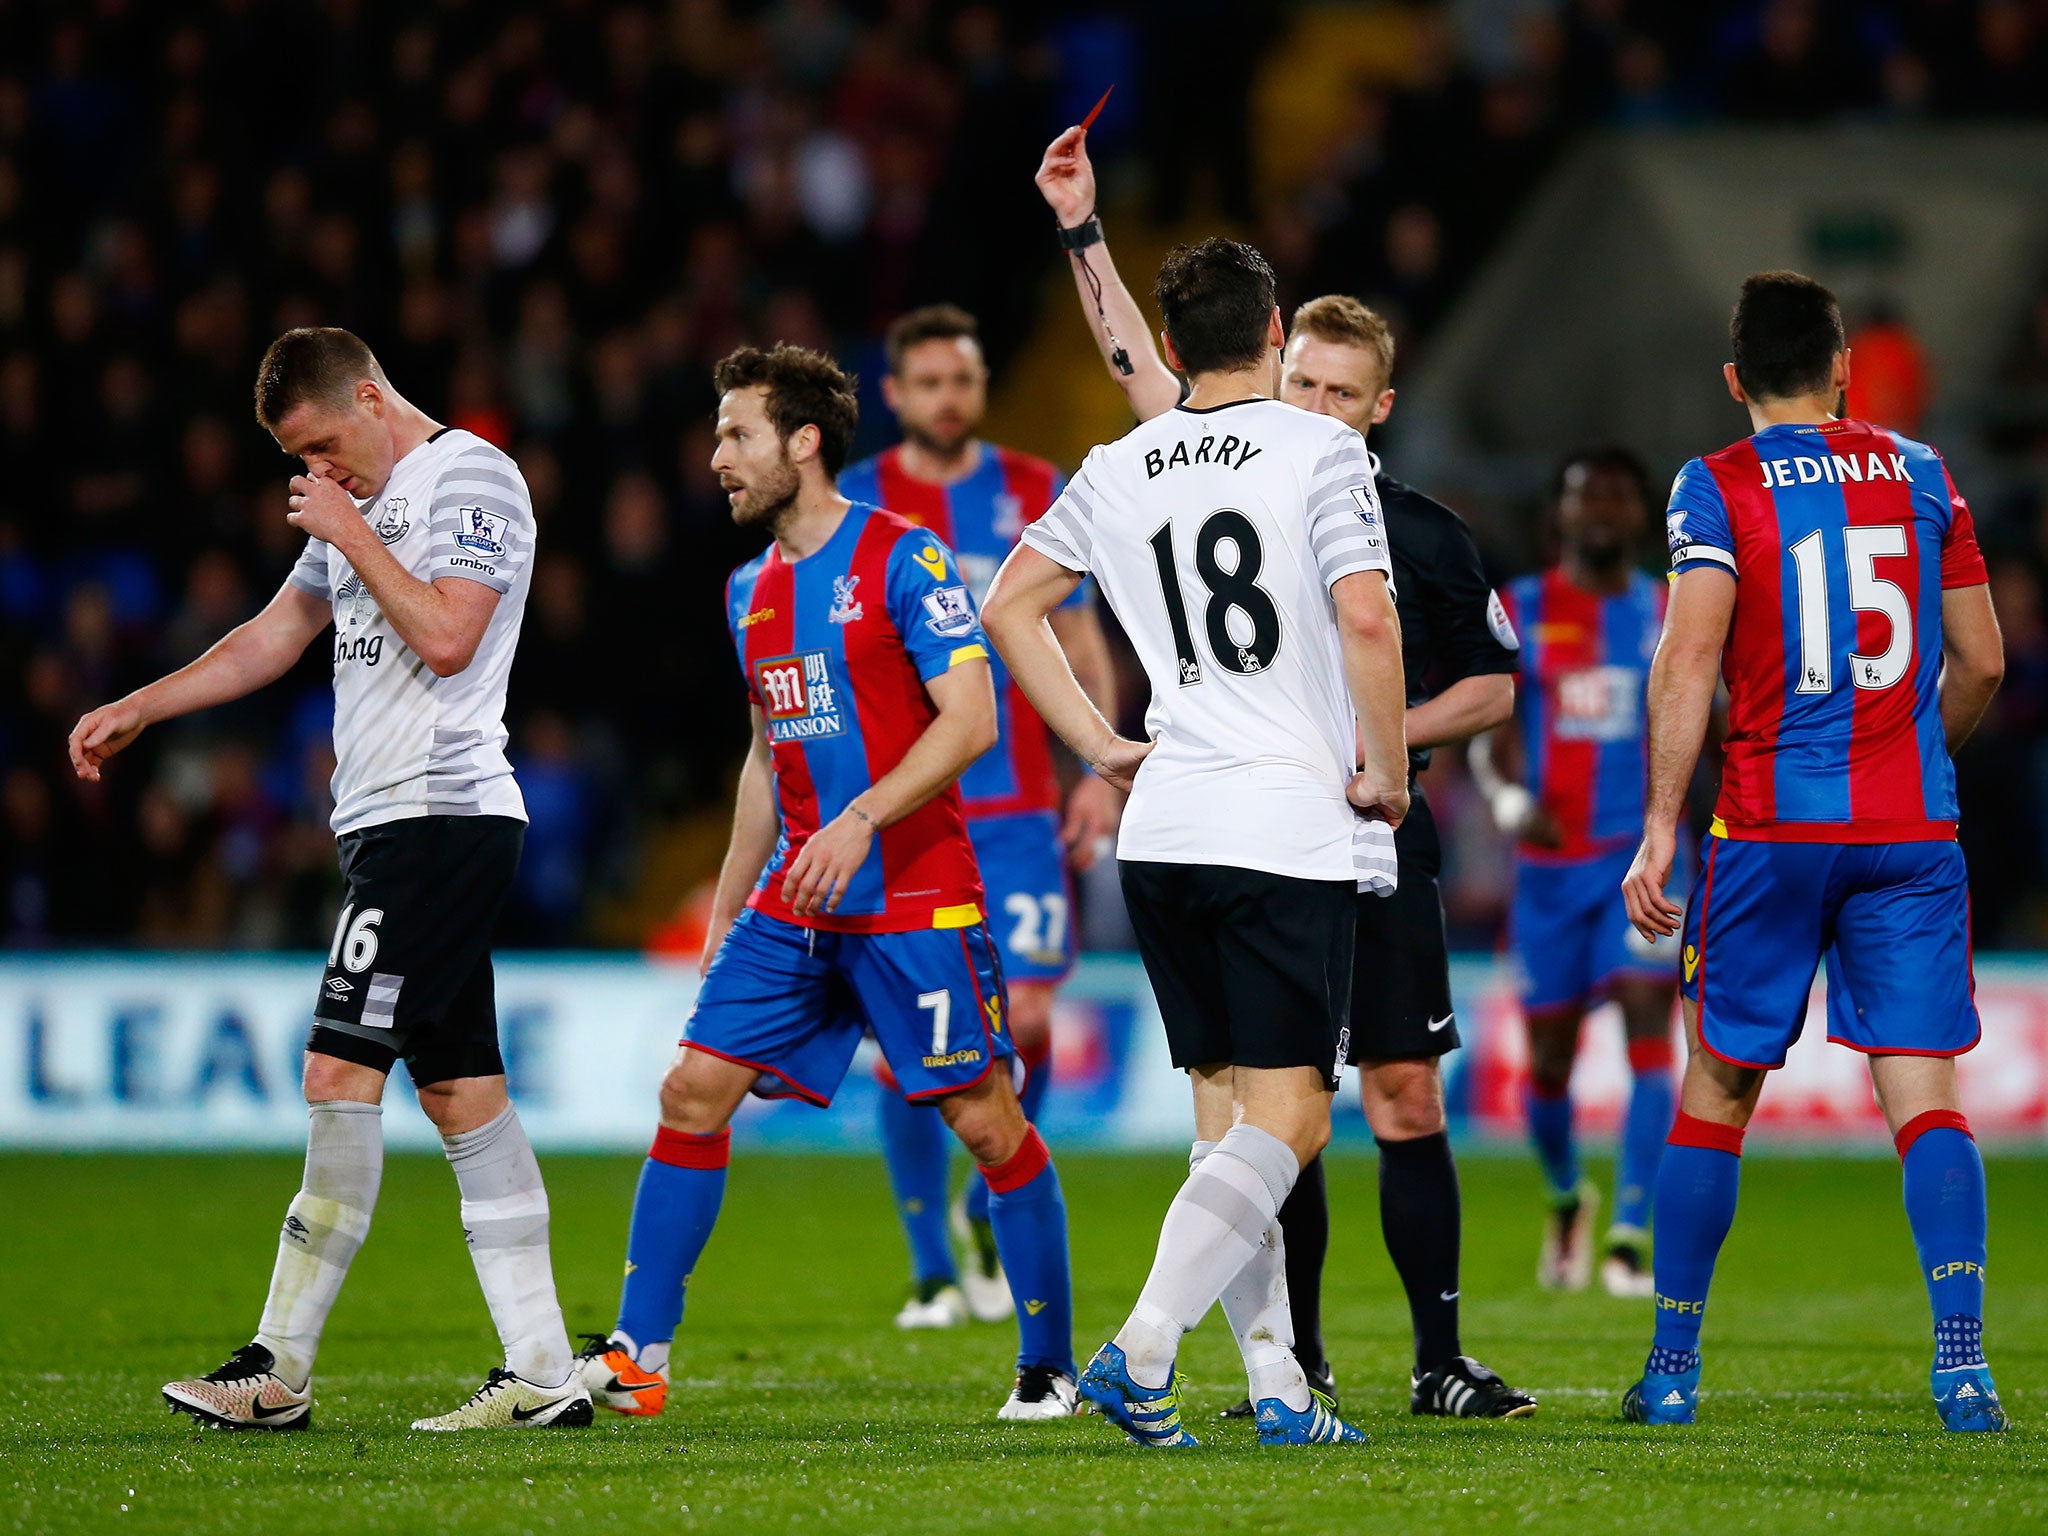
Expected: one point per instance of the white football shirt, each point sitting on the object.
(408, 743)
(1215, 536)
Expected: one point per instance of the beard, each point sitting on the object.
(763, 504)
(1601, 553)
(942, 443)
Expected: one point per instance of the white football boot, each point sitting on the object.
(245, 1393)
(506, 1401)
(1566, 1262)
(944, 1308)
(982, 1280)
(1041, 1394)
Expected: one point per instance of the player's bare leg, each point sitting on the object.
(1028, 1221)
(1565, 1260)
(1944, 1193)
(681, 1188)
(1646, 1004)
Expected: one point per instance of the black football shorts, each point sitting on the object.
(409, 973)
(1249, 968)
(1401, 981)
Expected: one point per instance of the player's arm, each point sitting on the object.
(1016, 614)
(1066, 178)
(248, 656)
(1973, 656)
(1369, 633)
(965, 727)
(755, 832)
(1681, 698)
(443, 620)
(1093, 807)
(1500, 772)
(1462, 711)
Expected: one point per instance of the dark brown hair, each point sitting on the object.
(1215, 298)
(804, 388)
(314, 362)
(1784, 334)
(934, 322)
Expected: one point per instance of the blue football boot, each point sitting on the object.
(1967, 1400)
(1149, 1415)
(1659, 1399)
(1317, 1424)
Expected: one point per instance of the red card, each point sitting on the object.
(1095, 111)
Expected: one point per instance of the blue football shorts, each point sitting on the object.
(1892, 921)
(792, 1002)
(1571, 934)
(1030, 902)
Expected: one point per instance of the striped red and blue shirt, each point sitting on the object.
(1585, 667)
(836, 649)
(981, 518)
(1841, 538)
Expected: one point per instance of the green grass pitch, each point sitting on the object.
(801, 1409)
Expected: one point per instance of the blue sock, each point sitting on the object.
(918, 1150)
(1029, 1215)
(1550, 1130)
(1037, 1078)
(1696, 1188)
(1650, 1104)
(1944, 1178)
(674, 1211)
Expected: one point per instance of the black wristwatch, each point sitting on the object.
(1088, 232)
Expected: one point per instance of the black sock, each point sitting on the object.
(1305, 1223)
(1420, 1217)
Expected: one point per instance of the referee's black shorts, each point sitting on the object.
(1249, 968)
(409, 975)
(1401, 989)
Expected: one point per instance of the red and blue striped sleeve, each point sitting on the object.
(1696, 524)
(1962, 562)
(930, 605)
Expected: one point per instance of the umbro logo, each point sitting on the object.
(1673, 1399)
(296, 1229)
(340, 986)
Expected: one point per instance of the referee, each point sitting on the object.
(1460, 655)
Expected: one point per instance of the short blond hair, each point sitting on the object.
(1337, 317)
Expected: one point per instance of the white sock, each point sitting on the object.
(1212, 1229)
(649, 1357)
(1256, 1305)
(328, 1219)
(505, 1219)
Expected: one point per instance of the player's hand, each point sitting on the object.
(1118, 763)
(1093, 810)
(102, 733)
(1642, 890)
(1066, 178)
(1377, 801)
(830, 860)
(1541, 830)
(320, 507)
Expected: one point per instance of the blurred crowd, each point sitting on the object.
(549, 218)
